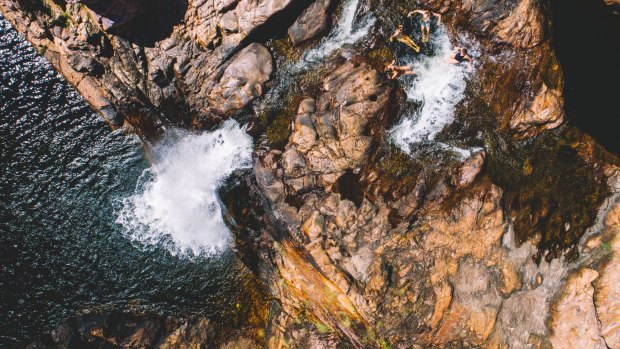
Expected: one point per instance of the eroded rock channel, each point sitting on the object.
(451, 208)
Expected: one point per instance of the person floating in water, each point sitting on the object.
(460, 55)
(398, 70)
(404, 39)
(425, 25)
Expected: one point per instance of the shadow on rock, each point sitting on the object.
(140, 21)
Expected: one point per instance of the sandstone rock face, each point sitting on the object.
(576, 324)
(243, 79)
(524, 27)
(519, 27)
(435, 282)
(354, 255)
(546, 111)
(607, 285)
(469, 170)
(166, 66)
(329, 138)
(311, 23)
(451, 277)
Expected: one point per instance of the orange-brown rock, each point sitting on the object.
(607, 285)
(165, 62)
(574, 322)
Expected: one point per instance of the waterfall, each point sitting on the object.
(176, 202)
(346, 32)
(438, 87)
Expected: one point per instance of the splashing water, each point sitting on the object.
(346, 32)
(177, 202)
(438, 87)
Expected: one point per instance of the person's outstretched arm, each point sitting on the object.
(414, 12)
(438, 17)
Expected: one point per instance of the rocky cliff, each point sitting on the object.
(361, 244)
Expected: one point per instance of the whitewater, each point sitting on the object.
(176, 204)
(437, 88)
(177, 198)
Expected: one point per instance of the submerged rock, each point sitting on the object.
(129, 330)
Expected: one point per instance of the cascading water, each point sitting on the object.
(63, 178)
(177, 199)
(346, 32)
(177, 202)
(438, 87)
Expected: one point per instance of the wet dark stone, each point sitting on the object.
(551, 189)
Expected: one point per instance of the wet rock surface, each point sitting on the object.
(164, 66)
(362, 245)
(115, 329)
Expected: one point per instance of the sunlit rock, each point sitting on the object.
(242, 80)
(313, 22)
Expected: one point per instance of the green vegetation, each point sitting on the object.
(381, 55)
(285, 49)
(62, 20)
(553, 184)
(323, 328)
(385, 344)
(278, 131)
(606, 248)
(397, 164)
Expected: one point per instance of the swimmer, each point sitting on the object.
(460, 55)
(404, 39)
(398, 70)
(427, 16)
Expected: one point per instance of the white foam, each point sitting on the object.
(438, 87)
(176, 202)
(346, 32)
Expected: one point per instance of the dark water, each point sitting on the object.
(63, 173)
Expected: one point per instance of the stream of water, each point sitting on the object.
(346, 32)
(349, 30)
(437, 88)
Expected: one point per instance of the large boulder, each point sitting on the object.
(243, 79)
(545, 111)
(165, 66)
(312, 22)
